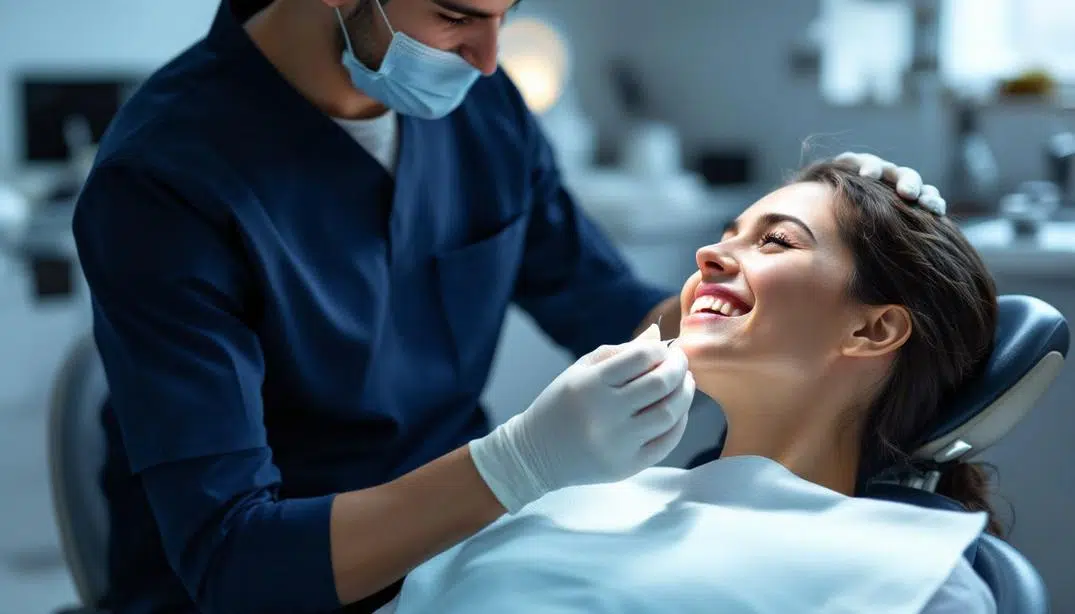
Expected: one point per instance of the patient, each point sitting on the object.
(830, 322)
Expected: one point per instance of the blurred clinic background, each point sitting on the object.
(669, 117)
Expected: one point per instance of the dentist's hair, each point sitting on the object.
(905, 255)
(245, 8)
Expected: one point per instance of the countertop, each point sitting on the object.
(1050, 254)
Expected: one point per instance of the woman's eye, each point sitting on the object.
(778, 238)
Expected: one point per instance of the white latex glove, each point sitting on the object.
(907, 180)
(615, 412)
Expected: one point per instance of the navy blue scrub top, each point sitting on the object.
(280, 320)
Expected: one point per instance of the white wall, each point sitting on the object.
(95, 36)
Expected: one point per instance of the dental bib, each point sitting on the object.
(737, 535)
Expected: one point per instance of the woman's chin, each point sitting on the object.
(719, 362)
(710, 361)
(706, 344)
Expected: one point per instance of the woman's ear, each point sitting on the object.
(879, 330)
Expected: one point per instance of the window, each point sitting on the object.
(984, 40)
(865, 50)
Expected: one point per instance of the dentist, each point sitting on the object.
(301, 238)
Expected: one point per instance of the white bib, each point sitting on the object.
(737, 535)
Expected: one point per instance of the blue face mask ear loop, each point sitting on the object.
(384, 16)
(347, 35)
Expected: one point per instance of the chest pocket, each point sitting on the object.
(476, 283)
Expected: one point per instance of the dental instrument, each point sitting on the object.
(666, 342)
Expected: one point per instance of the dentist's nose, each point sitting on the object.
(481, 52)
(714, 261)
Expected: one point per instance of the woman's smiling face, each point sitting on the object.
(770, 299)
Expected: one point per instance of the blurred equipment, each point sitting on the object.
(652, 147)
(650, 186)
(652, 151)
(974, 180)
(538, 59)
(1030, 208)
(1060, 161)
(14, 218)
(64, 116)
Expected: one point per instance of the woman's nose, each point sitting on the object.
(713, 260)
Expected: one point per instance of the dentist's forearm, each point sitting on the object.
(381, 534)
(668, 314)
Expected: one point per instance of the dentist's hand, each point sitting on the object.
(615, 412)
(907, 181)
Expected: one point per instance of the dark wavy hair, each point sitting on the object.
(908, 256)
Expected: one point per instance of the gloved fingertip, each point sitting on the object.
(871, 167)
(909, 189)
(936, 204)
(929, 192)
(908, 183)
(653, 333)
(681, 356)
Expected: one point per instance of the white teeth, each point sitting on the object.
(708, 302)
(702, 302)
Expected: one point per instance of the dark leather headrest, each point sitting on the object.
(1031, 342)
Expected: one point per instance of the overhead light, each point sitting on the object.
(535, 56)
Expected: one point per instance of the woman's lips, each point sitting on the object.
(718, 298)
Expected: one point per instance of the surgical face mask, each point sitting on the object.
(414, 79)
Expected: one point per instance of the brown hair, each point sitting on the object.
(908, 256)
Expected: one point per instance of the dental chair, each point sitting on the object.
(1030, 346)
(1031, 343)
(76, 452)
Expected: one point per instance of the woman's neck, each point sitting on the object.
(817, 453)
